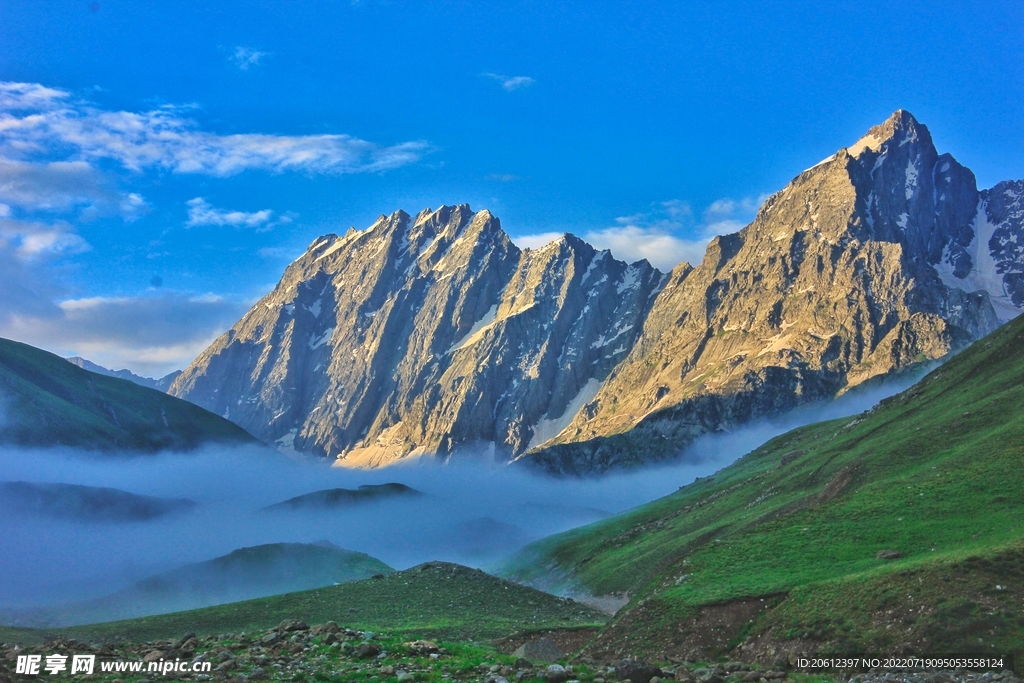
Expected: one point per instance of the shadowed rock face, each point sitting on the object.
(423, 335)
(430, 334)
(837, 281)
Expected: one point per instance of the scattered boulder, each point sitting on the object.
(321, 629)
(637, 671)
(290, 625)
(539, 650)
(422, 647)
(556, 674)
(191, 635)
(366, 650)
(270, 639)
(154, 656)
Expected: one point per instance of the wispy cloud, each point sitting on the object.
(201, 212)
(245, 57)
(37, 121)
(511, 83)
(667, 234)
(503, 177)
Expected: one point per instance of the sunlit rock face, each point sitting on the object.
(435, 334)
(862, 267)
(425, 335)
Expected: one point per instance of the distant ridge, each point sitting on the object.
(84, 503)
(161, 384)
(46, 401)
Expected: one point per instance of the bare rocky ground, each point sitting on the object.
(328, 653)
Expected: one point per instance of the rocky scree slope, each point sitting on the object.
(423, 335)
(880, 257)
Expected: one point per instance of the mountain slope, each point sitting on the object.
(46, 401)
(243, 574)
(835, 283)
(890, 529)
(161, 384)
(424, 335)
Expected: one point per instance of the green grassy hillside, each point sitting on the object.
(435, 600)
(46, 401)
(901, 527)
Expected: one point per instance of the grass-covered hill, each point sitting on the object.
(46, 401)
(901, 528)
(246, 573)
(433, 600)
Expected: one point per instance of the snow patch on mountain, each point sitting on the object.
(984, 275)
(547, 429)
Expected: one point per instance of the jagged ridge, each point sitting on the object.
(424, 335)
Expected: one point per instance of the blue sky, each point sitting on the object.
(161, 163)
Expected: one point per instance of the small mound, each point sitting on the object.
(334, 498)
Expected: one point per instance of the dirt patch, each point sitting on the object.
(652, 631)
(609, 604)
(568, 640)
(839, 482)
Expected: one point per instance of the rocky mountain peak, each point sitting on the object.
(425, 334)
(899, 130)
(834, 283)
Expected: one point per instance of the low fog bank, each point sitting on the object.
(473, 512)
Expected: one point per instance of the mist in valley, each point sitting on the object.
(472, 511)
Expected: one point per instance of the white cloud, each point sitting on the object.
(661, 249)
(133, 206)
(28, 96)
(165, 139)
(244, 57)
(151, 335)
(511, 83)
(667, 235)
(536, 241)
(200, 212)
(31, 241)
